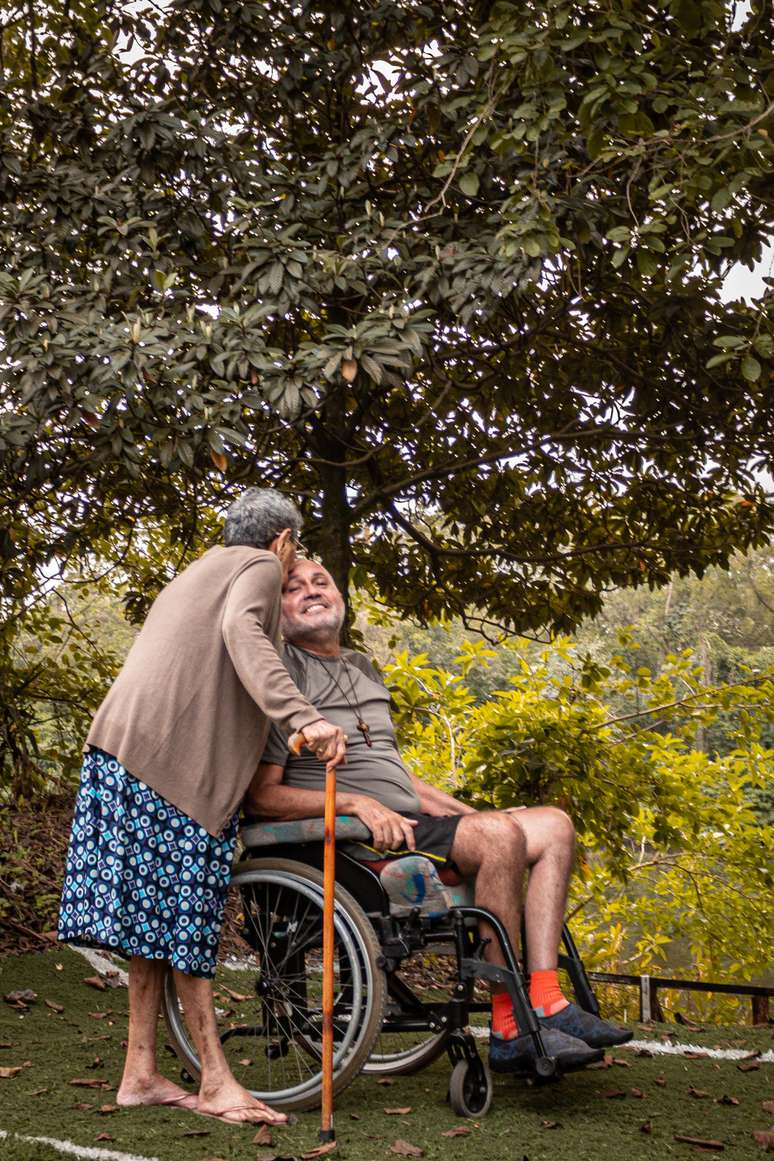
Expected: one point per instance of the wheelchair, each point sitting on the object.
(408, 958)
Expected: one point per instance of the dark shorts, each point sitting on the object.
(433, 835)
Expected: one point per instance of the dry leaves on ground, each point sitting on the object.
(748, 1065)
(406, 1149)
(263, 1136)
(90, 1082)
(726, 1100)
(660, 1081)
(457, 1131)
(551, 1124)
(700, 1142)
(400, 1112)
(767, 1106)
(613, 1093)
(698, 1093)
(104, 1137)
(765, 1138)
(320, 1151)
(637, 1093)
(646, 1127)
(96, 982)
(52, 1004)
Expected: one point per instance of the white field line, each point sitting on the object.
(102, 963)
(658, 1048)
(88, 1151)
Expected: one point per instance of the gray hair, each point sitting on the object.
(259, 515)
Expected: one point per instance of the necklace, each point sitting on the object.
(354, 705)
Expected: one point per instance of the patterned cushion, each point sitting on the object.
(302, 830)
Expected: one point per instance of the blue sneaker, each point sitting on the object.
(518, 1056)
(594, 1031)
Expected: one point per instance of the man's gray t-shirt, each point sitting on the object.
(376, 771)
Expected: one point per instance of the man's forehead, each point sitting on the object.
(307, 570)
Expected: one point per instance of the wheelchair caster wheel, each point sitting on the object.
(470, 1088)
(545, 1068)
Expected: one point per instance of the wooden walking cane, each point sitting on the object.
(327, 1132)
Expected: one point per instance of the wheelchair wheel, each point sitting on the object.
(427, 977)
(470, 1088)
(274, 1043)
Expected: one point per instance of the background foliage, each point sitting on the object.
(448, 271)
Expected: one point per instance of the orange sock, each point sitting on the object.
(503, 1021)
(545, 993)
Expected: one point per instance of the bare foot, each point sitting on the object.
(231, 1103)
(154, 1090)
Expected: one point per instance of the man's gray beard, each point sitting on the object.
(295, 633)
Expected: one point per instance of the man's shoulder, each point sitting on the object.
(362, 662)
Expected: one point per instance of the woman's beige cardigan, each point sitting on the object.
(189, 712)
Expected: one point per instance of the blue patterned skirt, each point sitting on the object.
(142, 878)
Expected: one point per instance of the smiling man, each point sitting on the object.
(405, 814)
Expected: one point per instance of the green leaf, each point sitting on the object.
(469, 184)
(751, 368)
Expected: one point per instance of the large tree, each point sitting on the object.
(448, 271)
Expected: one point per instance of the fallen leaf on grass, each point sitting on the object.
(239, 997)
(320, 1151)
(83, 1107)
(726, 1100)
(695, 1055)
(646, 1127)
(38, 1092)
(58, 967)
(401, 1112)
(680, 1019)
(551, 1124)
(90, 1082)
(263, 1136)
(246, 1062)
(8, 1073)
(98, 1015)
(104, 1137)
(700, 1142)
(457, 1131)
(698, 1093)
(606, 1062)
(385, 1080)
(621, 1063)
(406, 1149)
(52, 1004)
(6, 1044)
(767, 1106)
(613, 1093)
(23, 997)
(765, 1138)
(354, 1116)
(97, 1062)
(748, 1066)
(637, 1093)
(96, 982)
(104, 1110)
(660, 1081)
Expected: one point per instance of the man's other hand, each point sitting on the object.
(326, 741)
(390, 830)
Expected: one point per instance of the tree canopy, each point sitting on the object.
(448, 271)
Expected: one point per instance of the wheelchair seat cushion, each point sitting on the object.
(303, 830)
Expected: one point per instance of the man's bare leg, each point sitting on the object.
(492, 846)
(550, 838)
(220, 1093)
(142, 1083)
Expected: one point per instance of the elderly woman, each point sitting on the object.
(167, 761)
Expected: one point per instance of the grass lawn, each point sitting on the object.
(574, 1120)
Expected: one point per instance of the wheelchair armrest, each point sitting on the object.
(303, 830)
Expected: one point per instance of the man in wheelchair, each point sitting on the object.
(405, 815)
